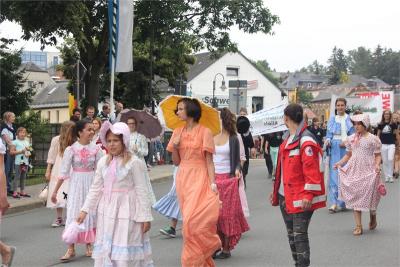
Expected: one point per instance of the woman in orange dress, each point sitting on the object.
(192, 147)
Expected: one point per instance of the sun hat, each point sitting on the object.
(117, 129)
(364, 118)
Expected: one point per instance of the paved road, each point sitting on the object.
(332, 243)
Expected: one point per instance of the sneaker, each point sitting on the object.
(58, 223)
(168, 231)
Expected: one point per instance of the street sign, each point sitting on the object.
(237, 99)
(238, 83)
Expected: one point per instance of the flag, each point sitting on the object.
(71, 103)
(252, 84)
(120, 18)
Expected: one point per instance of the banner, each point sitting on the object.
(120, 17)
(372, 103)
(222, 100)
(268, 120)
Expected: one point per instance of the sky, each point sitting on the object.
(308, 31)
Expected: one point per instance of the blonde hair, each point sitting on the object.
(126, 155)
(67, 136)
(20, 129)
(7, 115)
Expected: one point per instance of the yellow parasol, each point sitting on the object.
(209, 116)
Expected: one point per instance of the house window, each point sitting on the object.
(30, 84)
(257, 103)
(58, 116)
(41, 84)
(48, 115)
(55, 61)
(230, 71)
(309, 85)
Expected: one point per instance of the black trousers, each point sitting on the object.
(268, 162)
(297, 231)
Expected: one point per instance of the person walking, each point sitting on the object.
(396, 120)
(192, 148)
(168, 206)
(8, 134)
(231, 221)
(317, 131)
(21, 150)
(96, 138)
(360, 176)
(7, 252)
(387, 131)
(79, 165)
(273, 141)
(299, 182)
(138, 146)
(248, 142)
(119, 196)
(339, 128)
(54, 157)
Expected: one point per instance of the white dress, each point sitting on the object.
(120, 195)
(139, 141)
(79, 165)
(54, 158)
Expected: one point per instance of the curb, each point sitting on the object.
(34, 204)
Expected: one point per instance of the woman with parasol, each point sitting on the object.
(192, 148)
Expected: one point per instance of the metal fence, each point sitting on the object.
(41, 148)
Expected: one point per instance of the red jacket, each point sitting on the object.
(303, 173)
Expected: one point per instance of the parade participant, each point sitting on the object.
(396, 120)
(339, 127)
(119, 194)
(8, 134)
(21, 150)
(360, 177)
(79, 165)
(96, 138)
(317, 131)
(7, 252)
(272, 141)
(387, 131)
(138, 146)
(299, 182)
(243, 126)
(231, 221)
(192, 148)
(57, 147)
(168, 206)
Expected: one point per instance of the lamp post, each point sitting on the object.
(223, 87)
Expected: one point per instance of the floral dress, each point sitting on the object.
(359, 181)
(79, 165)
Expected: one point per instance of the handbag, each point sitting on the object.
(44, 193)
(71, 232)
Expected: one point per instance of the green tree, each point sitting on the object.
(38, 129)
(337, 65)
(175, 28)
(264, 67)
(304, 97)
(315, 67)
(360, 61)
(12, 96)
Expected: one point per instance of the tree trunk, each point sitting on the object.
(93, 84)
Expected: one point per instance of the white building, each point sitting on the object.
(261, 92)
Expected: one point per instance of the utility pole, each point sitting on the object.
(77, 84)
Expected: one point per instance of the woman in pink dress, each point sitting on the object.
(360, 177)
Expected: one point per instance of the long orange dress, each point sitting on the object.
(198, 203)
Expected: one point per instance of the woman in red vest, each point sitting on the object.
(299, 182)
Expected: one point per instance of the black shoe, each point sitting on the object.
(10, 193)
(215, 254)
(168, 231)
(223, 255)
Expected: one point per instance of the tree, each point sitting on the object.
(360, 61)
(315, 67)
(13, 97)
(175, 28)
(337, 65)
(264, 67)
(304, 97)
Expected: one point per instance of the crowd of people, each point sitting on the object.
(100, 189)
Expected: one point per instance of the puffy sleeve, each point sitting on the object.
(241, 148)
(99, 154)
(208, 141)
(66, 163)
(330, 128)
(170, 146)
(2, 147)
(142, 147)
(143, 203)
(377, 145)
(52, 154)
(95, 191)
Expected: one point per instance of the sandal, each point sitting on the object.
(372, 223)
(332, 209)
(358, 230)
(68, 255)
(89, 251)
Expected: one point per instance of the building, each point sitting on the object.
(261, 92)
(43, 60)
(35, 77)
(52, 102)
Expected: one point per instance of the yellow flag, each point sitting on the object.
(71, 103)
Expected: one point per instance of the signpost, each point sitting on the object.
(238, 96)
